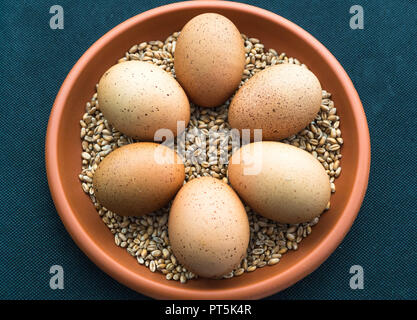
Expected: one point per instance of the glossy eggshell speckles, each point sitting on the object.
(130, 182)
(209, 59)
(208, 227)
(279, 181)
(139, 98)
(281, 100)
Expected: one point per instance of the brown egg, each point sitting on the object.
(139, 98)
(279, 181)
(281, 100)
(208, 227)
(209, 59)
(138, 178)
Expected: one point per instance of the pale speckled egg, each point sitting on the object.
(209, 59)
(138, 98)
(208, 227)
(279, 181)
(281, 100)
(138, 178)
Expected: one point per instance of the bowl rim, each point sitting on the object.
(264, 287)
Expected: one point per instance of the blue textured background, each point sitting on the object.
(381, 61)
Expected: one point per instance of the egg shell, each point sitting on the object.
(208, 227)
(209, 59)
(281, 100)
(138, 98)
(138, 178)
(279, 181)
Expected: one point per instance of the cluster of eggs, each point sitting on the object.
(208, 225)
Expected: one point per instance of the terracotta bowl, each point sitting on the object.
(63, 147)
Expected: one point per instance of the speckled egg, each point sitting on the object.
(208, 227)
(281, 100)
(138, 178)
(279, 181)
(139, 98)
(209, 59)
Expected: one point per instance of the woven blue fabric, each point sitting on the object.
(381, 61)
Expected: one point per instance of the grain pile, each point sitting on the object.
(146, 238)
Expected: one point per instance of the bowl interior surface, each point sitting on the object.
(84, 223)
